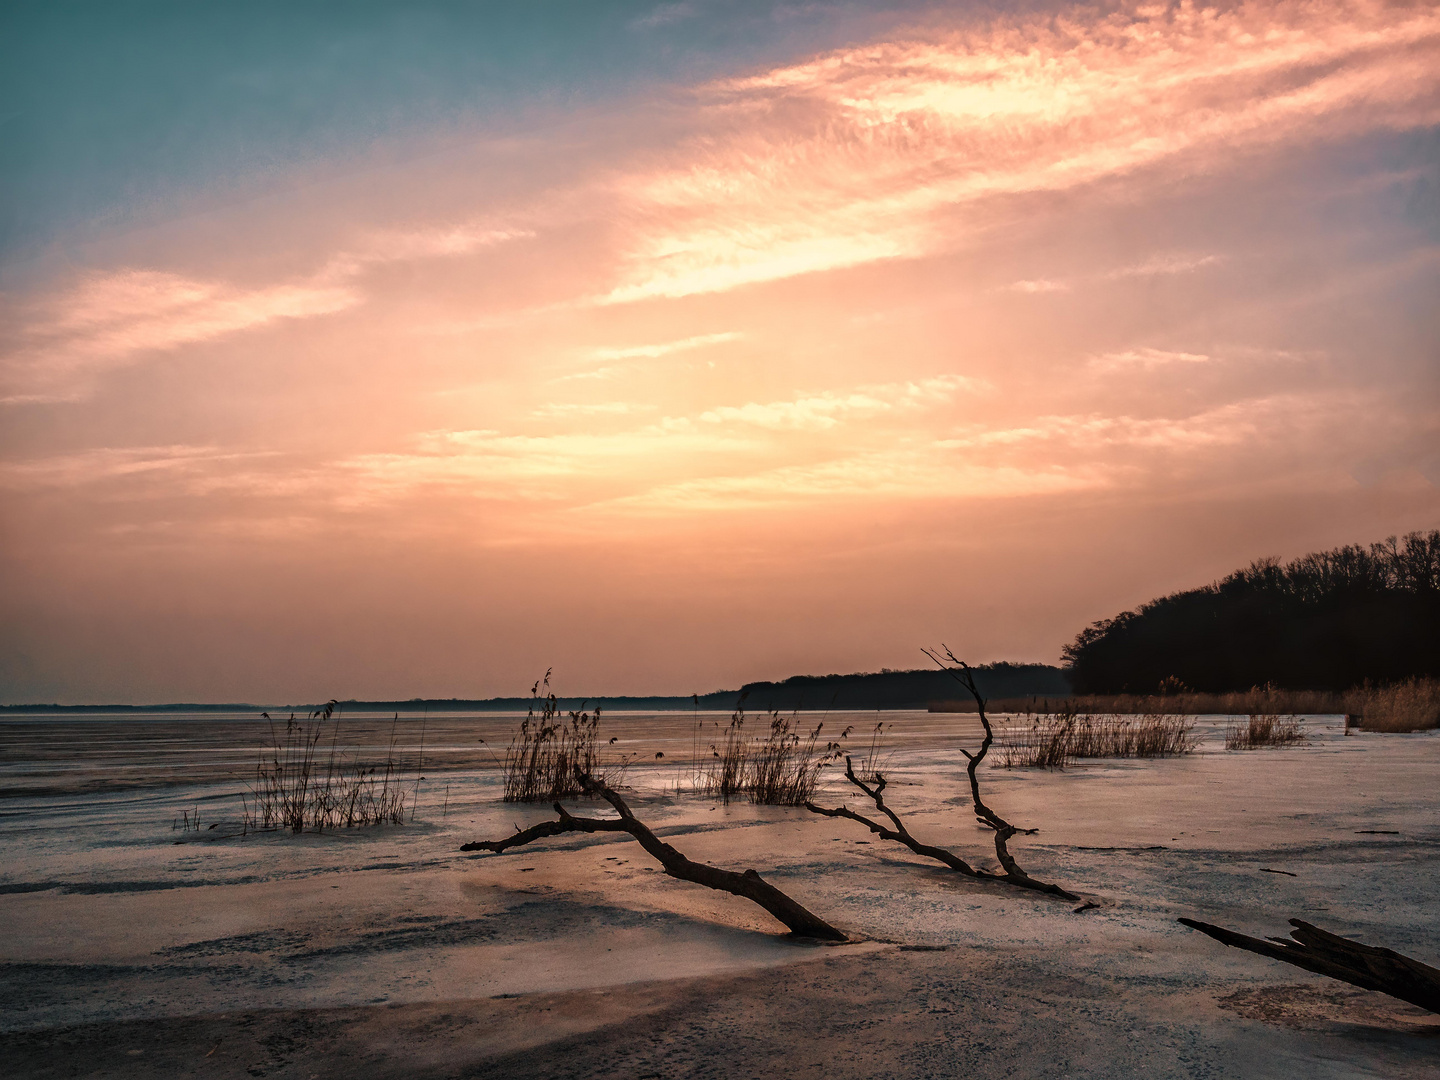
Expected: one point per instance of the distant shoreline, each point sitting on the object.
(918, 689)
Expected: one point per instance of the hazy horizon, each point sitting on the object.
(413, 351)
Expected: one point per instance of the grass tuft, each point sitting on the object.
(298, 786)
(1054, 740)
(782, 768)
(1264, 729)
(549, 753)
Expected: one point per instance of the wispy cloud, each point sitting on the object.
(599, 408)
(613, 357)
(1145, 358)
(899, 473)
(830, 410)
(111, 318)
(1164, 264)
(1155, 266)
(665, 348)
(1039, 285)
(877, 152)
(664, 15)
(109, 464)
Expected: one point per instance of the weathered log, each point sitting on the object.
(748, 884)
(1366, 966)
(900, 834)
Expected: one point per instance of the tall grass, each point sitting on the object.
(1054, 740)
(549, 752)
(299, 785)
(723, 774)
(1258, 700)
(780, 768)
(1413, 705)
(785, 766)
(1264, 729)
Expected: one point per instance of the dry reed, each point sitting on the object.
(1413, 705)
(722, 775)
(294, 789)
(549, 754)
(1264, 729)
(1054, 740)
(781, 769)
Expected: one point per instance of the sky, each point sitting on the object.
(375, 350)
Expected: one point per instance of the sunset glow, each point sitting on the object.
(965, 327)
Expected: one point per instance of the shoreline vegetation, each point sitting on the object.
(1409, 705)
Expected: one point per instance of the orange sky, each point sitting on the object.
(969, 331)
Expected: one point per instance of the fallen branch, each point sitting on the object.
(1013, 875)
(749, 884)
(901, 834)
(1366, 966)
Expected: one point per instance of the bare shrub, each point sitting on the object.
(1264, 729)
(1053, 740)
(1413, 705)
(294, 788)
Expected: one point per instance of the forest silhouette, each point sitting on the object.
(1330, 620)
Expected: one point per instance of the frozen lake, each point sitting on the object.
(130, 942)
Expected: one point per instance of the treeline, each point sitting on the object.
(884, 689)
(1326, 621)
(918, 689)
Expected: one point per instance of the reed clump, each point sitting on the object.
(1413, 705)
(723, 774)
(780, 768)
(1264, 729)
(550, 752)
(299, 785)
(1054, 740)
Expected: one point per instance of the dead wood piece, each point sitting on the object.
(1012, 873)
(1366, 966)
(749, 884)
(900, 834)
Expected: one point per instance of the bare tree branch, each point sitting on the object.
(1340, 958)
(749, 884)
(1013, 874)
(901, 834)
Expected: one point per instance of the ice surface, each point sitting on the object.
(112, 916)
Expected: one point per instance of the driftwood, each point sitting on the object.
(749, 884)
(1340, 958)
(1011, 875)
(1010, 872)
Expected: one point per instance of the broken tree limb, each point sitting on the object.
(1366, 966)
(901, 834)
(1012, 873)
(749, 884)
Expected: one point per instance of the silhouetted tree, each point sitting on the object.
(1325, 621)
